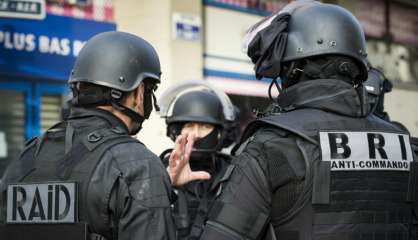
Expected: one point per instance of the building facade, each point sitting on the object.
(203, 39)
(195, 39)
(36, 57)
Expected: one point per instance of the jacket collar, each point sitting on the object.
(326, 94)
(112, 120)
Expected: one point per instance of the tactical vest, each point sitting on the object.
(343, 203)
(414, 143)
(67, 153)
(194, 201)
(190, 211)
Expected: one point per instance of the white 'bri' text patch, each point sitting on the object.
(352, 151)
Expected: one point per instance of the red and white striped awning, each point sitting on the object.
(241, 87)
(98, 10)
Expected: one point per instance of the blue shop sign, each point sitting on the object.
(44, 49)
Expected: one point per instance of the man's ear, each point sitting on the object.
(135, 94)
(139, 94)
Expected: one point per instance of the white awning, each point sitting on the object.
(241, 87)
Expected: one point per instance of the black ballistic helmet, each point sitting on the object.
(324, 29)
(116, 63)
(305, 29)
(199, 101)
(202, 105)
(197, 106)
(117, 60)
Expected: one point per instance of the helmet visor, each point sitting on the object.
(168, 98)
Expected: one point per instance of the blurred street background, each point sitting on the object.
(195, 39)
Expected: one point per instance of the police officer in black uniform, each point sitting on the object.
(322, 167)
(199, 112)
(123, 190)
(377, 85)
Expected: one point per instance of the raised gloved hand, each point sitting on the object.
(178, 164)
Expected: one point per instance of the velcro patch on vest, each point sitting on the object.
(41, 203)
(353, 151)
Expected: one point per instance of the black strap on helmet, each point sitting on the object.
(266, 50)
(98, 95)
(340, 66)
(136, 117)
(278, 87)
(149, 98)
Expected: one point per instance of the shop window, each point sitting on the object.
(27, 110)
(12, 125)
(50, 111)
(71, 2)
(262, 7)
(49, 99)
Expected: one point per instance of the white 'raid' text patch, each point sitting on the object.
(41, 203)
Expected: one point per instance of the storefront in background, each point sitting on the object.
(36, 57)
(225, 64)
(390, 28)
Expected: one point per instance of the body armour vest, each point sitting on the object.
(195, 199)
(359, 182)
(66, 153)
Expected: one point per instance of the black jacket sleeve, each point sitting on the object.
(243, 209)
(135, 194)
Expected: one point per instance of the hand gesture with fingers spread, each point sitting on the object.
(178, 165)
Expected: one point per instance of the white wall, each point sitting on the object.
(222, 36)
(180, 60)
(224, 33)
(402, 106)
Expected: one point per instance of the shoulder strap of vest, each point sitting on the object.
(52, 130)
(247, 226)
(304, 196)
(413, 175)
(164, 156)
(25, 163)
(182, 218)
(293, 122)
(414, 144)
(19, 168)
(201, 215)
(30, 142)
(86, 156)
(411, 195)
(284, 123)
(307, 122)
(207, 200)
(223, 176)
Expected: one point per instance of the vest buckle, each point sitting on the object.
(93, 137)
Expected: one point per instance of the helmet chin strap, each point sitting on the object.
(99, 96)
(278, 87)
(137, 119)
(149, 100)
